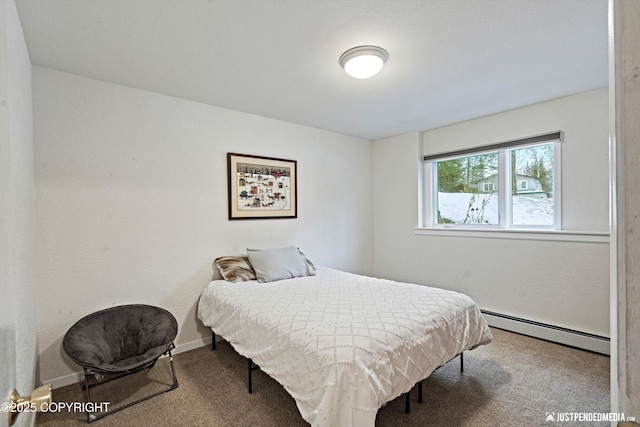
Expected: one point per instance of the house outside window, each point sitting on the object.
(488, 187)
(510, 185)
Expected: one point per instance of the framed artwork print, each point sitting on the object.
(261, 187)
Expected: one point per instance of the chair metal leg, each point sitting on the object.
(91, 416)
(213, 340)
(420, 391)
(173, 372)
(87, 389)
(407, 402)
(461, 362)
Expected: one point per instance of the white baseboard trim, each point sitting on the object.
(570, 337)
(77, 377)
(192, 345)
(64, 380)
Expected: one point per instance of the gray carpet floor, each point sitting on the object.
(514, 381)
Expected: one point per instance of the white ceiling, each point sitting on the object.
(450, 60)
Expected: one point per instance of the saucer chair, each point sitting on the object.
(120, 341)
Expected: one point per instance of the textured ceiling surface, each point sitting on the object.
(449, 60)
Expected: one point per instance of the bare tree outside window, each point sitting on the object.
(466, 190)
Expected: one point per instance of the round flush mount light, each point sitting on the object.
(363, 62)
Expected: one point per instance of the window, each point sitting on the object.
(506, 185)
(488, 187)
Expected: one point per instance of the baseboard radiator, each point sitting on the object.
(570, 337)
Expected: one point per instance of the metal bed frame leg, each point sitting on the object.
(250, 365)
(250, 368)
(420, 398)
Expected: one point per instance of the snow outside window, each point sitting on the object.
(514, 187)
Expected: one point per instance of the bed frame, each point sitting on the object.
(407, 405)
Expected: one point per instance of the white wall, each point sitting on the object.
(17, 285)
(132, 201)
(568, 285)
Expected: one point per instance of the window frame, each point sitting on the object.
(428, 191)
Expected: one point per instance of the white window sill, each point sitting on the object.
(517, 234)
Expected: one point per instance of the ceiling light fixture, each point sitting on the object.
(363, 62)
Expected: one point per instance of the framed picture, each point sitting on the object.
(261, 187)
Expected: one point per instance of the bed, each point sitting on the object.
(343, 344)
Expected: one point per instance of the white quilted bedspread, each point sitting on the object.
(342, 344)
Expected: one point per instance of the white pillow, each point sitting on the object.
(279, 263)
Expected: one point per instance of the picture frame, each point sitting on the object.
(261, 187)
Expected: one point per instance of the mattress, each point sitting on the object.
(343, 344)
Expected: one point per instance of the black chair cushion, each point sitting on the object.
(121, 339)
